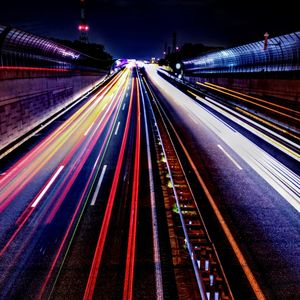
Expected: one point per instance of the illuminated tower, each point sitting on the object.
(83, 27)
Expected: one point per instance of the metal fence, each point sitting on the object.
(282, 54)
(22, 49)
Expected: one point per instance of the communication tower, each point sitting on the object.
(83, 26)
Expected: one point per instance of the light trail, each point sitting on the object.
(254, 98)
(237, 118)
(271, 170)
(90, 287)
(21, 173)
(27, 213)
(257, 104)
(130, 259)
(243, 121)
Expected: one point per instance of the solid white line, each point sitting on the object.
(123, 106)
(88, 129)
(98, 185)
(226, 153)
(116, 132)
(38, 199)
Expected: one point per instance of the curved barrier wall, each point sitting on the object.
(22, 49)
(282, 54)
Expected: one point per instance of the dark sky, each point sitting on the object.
(139, 28)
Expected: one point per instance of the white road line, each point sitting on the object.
(123, 106)
(117, 129)
(98, 185)
(38, 199)
(226, 153)
(85, 134)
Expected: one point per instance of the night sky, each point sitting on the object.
(140, 28)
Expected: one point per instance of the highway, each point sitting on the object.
(146, 192)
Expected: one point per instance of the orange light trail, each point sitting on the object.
(245, 100)
(254, 98)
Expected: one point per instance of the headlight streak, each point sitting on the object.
(234, 116)
(40, 196)
(238, 118)
(273, 172)
(81, 159)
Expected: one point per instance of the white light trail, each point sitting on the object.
(277, 175)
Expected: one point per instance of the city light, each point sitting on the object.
(83, 27)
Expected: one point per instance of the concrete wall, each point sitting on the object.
(280, 88)
(26, 100)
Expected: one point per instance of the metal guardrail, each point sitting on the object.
(282, 54)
